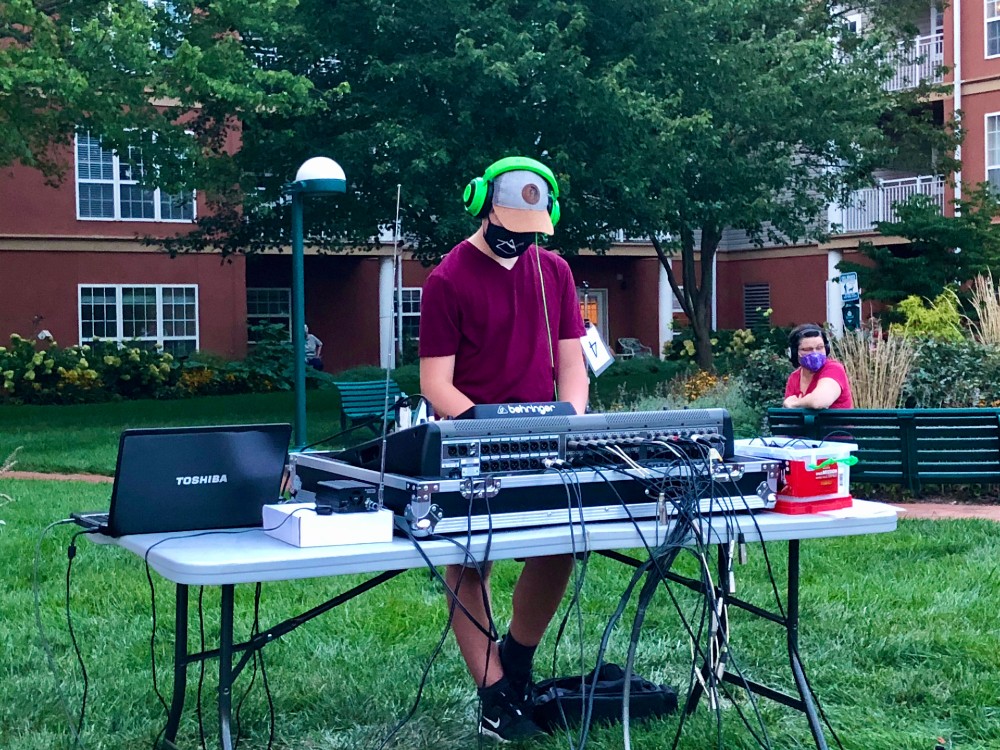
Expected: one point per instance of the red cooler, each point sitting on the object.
(816, 474)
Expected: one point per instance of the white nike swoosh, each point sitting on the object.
(492, 724)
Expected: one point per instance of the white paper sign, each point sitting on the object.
(597, 353)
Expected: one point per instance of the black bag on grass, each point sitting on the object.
(567, 697)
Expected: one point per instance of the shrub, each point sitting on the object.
(700, 384)
(269, 366)
(681, 346)
(356, 374)
(762, 379)
(625, 368)
(939, 319)
(730, 348)
(131, 372)
(948, 374)
(407, 377)
(81, 374)
(723, 393)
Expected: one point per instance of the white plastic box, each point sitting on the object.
(299, 525)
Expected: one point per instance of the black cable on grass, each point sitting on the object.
(71, 720)
(71, 554)
(685, 513)
(453, 605)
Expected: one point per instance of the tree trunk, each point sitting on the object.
(702, 321)
(696, 295)
(701, 324)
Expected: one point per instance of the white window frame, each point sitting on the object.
(159, 338)
(399, 316)
(987, 21)
(117, 184)
(271, 289)
(600, 297)
(677, 307)
(993, 165)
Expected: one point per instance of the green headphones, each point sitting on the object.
(478, 195)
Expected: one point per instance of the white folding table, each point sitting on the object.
(228, 558)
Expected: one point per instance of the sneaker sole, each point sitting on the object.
(491, 734)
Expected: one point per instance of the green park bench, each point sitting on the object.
(910, 447)
(365, 400)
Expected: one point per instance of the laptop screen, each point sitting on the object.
(188, 478)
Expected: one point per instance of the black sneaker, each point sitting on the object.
(506, 717)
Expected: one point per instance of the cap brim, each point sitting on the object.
(520, 220)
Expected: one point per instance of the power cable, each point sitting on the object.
(71, 720)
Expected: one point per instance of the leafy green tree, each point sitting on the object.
(770, 111)
(126, 70)
(942, 251)
(670, 119)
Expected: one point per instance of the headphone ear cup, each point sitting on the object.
(475, 196)
(554, 212)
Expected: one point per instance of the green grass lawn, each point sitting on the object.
(898, 634)
(84, 438)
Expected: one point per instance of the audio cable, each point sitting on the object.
(75, 723)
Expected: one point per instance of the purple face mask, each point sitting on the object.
(813, 361)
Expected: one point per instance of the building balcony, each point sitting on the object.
(865, 207)
(919, 64)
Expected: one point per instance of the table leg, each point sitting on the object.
(226, 668)
(180, 663)
(792, 630)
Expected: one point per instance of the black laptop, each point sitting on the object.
(193, 478)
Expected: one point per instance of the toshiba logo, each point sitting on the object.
(205, 479)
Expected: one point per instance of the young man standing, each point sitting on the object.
(500, 323)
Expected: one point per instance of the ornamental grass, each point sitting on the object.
(985, 300)
(877, 367)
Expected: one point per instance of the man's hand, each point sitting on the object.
(437, 376)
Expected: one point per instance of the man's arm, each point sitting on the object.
(572, 380)
(437, 375)
(319, 347)
(827, 391)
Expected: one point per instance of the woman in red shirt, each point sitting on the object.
(817, 382)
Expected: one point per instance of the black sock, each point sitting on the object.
(491, 693)
(516, 658)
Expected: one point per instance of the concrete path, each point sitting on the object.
(939, 511)
(930, 510)
(94, 478)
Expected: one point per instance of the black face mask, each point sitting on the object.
(505, 243)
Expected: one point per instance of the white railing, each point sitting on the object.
(921, 62)
(870, 205)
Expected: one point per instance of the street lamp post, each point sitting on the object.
(316, 176)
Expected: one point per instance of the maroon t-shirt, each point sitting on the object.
(492, 319)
